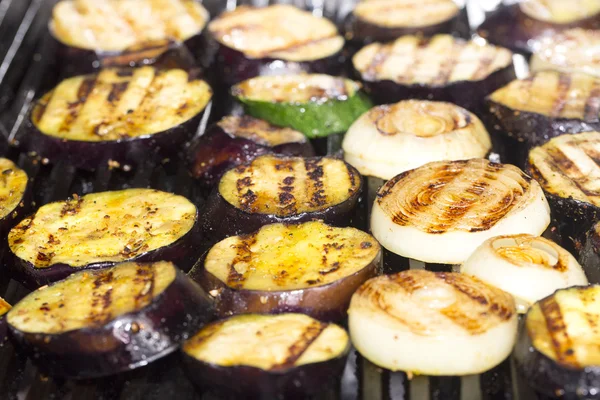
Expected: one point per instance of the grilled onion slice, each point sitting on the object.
(267, 356)
(391, 139)
(432, 323)
(557, 350)
(528, 267)
(453, 207)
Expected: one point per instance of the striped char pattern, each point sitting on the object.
(526, 249)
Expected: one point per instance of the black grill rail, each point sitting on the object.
(28, 69)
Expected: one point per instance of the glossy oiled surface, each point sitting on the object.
(259, 131)
(406, 13)
(13, 182)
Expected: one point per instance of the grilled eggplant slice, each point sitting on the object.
(235, 140)
(311, 268)
(314, 104)
(574, 50)
(557, 348)
(272, 40)
(102, 322)
(432, 323)
(566, 167)
(120, 115)
(513, 262)
(274, 188)
(386, 20)
(299, 356)
(391, 139)
(522, 26)
(453, 207)
(4, 308)
(589, 256)
(439, 68)
(100, 229)
(94, 34)
(15, 195)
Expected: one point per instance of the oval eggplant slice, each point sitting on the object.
(439, 68)
(102, 322)
(432, 323)
(101, 229)
(391, 139)
(557, 349)
(522, 26)
(274, 40)
(4, 308)
(274, 188)
(15, 194)
(235, 140)
(311, 268)
(94, 34)
(567, 169)
(299, 356)
(453, 207)
(386, 20)
(316, 105)
(513, 262)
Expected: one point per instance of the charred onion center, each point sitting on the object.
(560, 11)
(102, 227)
(120, 104)
(279, 31)
(109, 25)
(406, 13)
(13, 183)
(571, 50)
(285, 341)
(289, 257)
(285, 186)
(90, 299)
(525, 250)
(435, 61)
(564, 326)
(467, 196)
(259, 131)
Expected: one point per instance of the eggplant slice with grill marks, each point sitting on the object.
(432, 323)
(125, 116)
(15, 195)
(102, 322)
(557, 349)
(522, 26)
(235, 140)
(453, 207)
(95, 34)
(271, 40)
(311, 268)
(4, 308)
(441, 68)
(391, 139)
(299, 356)
(100, 229)
(274, 188)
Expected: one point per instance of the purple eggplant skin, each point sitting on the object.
(509, 27)
(589, 257)
(184, 252)
(216, 151)
(127, 342)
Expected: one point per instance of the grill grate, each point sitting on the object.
(27, 69)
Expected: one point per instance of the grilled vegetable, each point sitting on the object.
(93, 34)
(453, 207)
(311, 268)
(275, 357)
(385, 20)
(236, 140)
(432, 323)
(589, 256)
(15, 194)
(566, 168)
(512, 263)
(439, 68)
(557, 348)
(277, 39)
(391, 139)
(316, 105)
(101, 229)
(574, 50)
(102, 322)
(122, 115)
(4, 307)
(281, 189)
(522, 26)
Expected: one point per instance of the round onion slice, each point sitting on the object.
(432, 323)
(528, 267)
(442, 211)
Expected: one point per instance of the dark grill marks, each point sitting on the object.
(41, 106)
(246, 195)
(244, 255)
(561, 342)
(287, 200)
(116, 91)
(564, 84)
(564, 166)
(86, 87)
(295, 351)
(145, 278)
(100, 311)
(315, 189)
(72, 206)
(592, 104)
